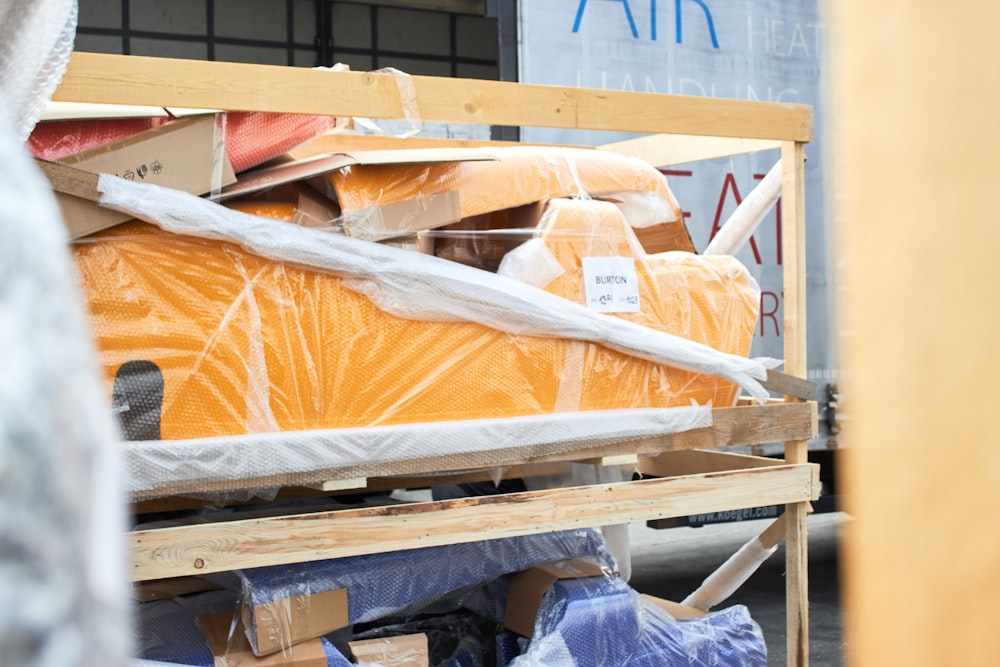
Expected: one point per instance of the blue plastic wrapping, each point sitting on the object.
(386, 583)
(601, 621)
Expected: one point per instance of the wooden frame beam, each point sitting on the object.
(110, 79)
(205, 548)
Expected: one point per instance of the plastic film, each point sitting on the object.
(384, 584)
(517, 176)
(166, 467)
(600, 621)
(426, 288)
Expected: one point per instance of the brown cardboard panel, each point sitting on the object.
(524, 597)
(226, 639)
(183, 154)
(664, 237)
(403, 218)
(401, 651)
(289, 621)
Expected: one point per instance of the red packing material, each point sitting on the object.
(56, 139)
(252, 137)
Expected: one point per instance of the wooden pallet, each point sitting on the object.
(689, 480)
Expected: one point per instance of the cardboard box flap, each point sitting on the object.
(524, 597)
(185, 154)
(272, 175)
(226, 639)
(401, 651)
(289, 621)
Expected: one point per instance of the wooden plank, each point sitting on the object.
(794, 252)
(347, 142)
(919, 310)
(340, 484)
(109, 79)
(789, 385)
(667, 150)
(746, 425)
(70, 180)
(672, 464)
(204, 548)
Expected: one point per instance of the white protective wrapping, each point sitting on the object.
(267, 460)
(36, 39)
(422, 287)
(63, 597)
(722, 583)
(735, 233)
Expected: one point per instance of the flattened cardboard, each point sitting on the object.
(226, 639)
(401, 651)
(403, 218)
(524, 597)
(289, 621)
(182, 154)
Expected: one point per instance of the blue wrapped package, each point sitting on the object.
(602, 621)
(382, 584)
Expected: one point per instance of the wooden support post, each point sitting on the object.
(796, 541)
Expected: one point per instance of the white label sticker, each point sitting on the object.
(611, 284)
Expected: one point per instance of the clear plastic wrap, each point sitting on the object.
(258, 342)
(597, 622)
(517, 176)
(384, 584)
(251, 137)
(269, 460)
(63, 597)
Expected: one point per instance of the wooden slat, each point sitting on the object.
(673, 464)
(789, 385)
(110, 79)
(70, 180)
(796, 451)
(667, 150)
(204, 548)
(347, 142)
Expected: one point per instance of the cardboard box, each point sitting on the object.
(401, 651)
(290, 621)
(183, 154)
(226, 639)
(527, 589)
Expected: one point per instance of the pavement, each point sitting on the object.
(672, 562)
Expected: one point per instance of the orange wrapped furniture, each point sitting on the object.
(237, 344)
(517, 176)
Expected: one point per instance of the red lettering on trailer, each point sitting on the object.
(772, 301)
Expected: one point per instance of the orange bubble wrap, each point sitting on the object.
(520, 175)
(199, 338)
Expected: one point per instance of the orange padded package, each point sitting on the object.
(519, 175)
(200, 338)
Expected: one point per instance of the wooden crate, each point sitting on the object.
(689, 479)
